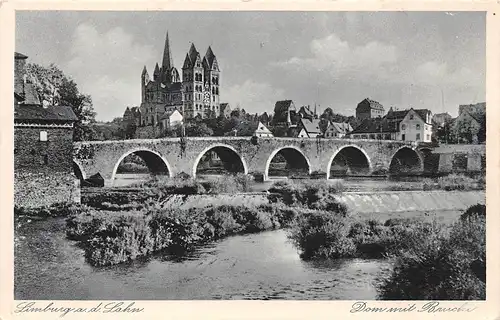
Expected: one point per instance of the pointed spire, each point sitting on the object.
(193, 53)
(187, 62)
(157, 72)
(168, 62)
(144, 71)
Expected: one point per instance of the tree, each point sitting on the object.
(199, 129)
(55, 88)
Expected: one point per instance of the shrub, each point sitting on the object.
(320, 234)
(475, 211)
(441, 266)
(305, 193)
(113, 237)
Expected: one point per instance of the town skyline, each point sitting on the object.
(350, 55)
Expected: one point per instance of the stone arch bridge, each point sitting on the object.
(317, 156)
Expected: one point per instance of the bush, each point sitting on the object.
(304, 193)
(475, 211)
(441, 266)
(321, 234)
(113, 237)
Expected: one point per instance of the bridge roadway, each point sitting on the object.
(247, 154)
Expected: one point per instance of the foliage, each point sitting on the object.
(440, 266)
(309, 193)
(55, 88)
(321, 234)
(60, 209)
(109, 237)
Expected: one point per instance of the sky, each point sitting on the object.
(433, 60)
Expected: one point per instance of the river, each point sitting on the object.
(256, 266)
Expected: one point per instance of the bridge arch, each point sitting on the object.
(406, 160)
(78, 170)
(295, 151)
(227, 154)
(352, 156)
(154, 161)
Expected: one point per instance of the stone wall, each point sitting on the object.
(55, 154)
(36, 189)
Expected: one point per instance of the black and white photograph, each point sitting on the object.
(249, 155)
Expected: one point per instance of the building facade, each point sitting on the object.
(404, 125)
(196, 93)
(368, 109)
(43, 147)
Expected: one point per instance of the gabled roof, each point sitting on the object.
(373, 104)
(281, 109)
(223, 106)
(310, 126)
(341, 127)
(18, 55)
(422, 113)
(51, 113)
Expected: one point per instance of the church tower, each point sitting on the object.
(212, 75)
(192, 84)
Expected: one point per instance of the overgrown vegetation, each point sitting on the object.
(443, 265)
(114, 237)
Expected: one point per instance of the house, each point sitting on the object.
(404, 125)
(441, 118)
(285, 114)
(416, 126)
(43, 146)
(337, 129)
(225, 110)
(469, 127)
(368, 108)
(478, 108)
(305, 112)
(262, 131)
(308, 128)
(252, 128)
(264, 118)
(171, 119)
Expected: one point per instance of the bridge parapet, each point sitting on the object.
(183, 155)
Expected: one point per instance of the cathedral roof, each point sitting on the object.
(157, 70)
(210, 56)
(193, 53)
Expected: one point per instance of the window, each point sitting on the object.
(411, 117)
(45, 159)
(418, 137)
(418, 126)
(213, 98)
(403, 126)
(403, 137)
(43, 135)
(428, 137)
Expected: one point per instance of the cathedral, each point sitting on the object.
(196, 94)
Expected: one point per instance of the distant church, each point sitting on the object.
(196, 94)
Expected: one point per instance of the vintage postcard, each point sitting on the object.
(249, 160)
